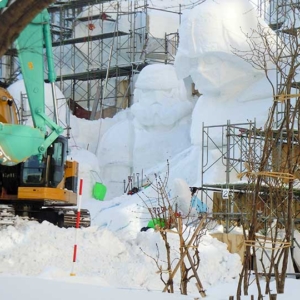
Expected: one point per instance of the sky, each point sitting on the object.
(114, 257)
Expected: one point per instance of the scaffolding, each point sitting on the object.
(236, 146)
(221, 187)
(99, 47)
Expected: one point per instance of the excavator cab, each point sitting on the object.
(33, 171)
(48, 171)
(43, 189)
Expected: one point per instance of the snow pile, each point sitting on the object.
(111, 253)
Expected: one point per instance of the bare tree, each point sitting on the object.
(272, 176)
(169, 221)
(15, 17)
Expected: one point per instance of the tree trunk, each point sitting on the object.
(15, 18)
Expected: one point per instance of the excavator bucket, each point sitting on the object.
(3, 3)
(18, 142)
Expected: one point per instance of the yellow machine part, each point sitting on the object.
(71, 168)
(46, 193)
(65, 192)
(71, 175)
(8, 112)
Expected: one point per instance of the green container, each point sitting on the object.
(99, 191)
(160, 222)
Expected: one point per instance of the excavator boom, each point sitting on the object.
(18, 142)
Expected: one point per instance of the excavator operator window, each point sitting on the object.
(33, 170)
(57, 162)
(58, 153)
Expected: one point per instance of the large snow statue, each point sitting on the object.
(153, 130)
(232, 89)
(161, 117)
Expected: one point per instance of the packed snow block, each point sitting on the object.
(99, 191)
(235, 242)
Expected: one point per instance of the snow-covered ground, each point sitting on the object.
(114, 258)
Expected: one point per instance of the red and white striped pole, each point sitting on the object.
(77, 226)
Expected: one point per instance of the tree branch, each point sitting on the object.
(15, 18)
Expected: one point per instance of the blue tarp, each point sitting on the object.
(198, 205)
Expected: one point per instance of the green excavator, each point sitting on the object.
(37, 181)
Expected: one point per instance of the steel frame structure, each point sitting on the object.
(97, 70)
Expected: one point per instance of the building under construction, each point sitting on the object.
(99, 46)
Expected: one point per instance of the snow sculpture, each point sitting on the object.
(232, 89)
(161, 116)
(153, 130)
(115, 153)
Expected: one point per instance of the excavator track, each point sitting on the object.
(64, 217)
(7, 215)
(70, 217)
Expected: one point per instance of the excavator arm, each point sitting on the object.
(18, 142)
(37, 181)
